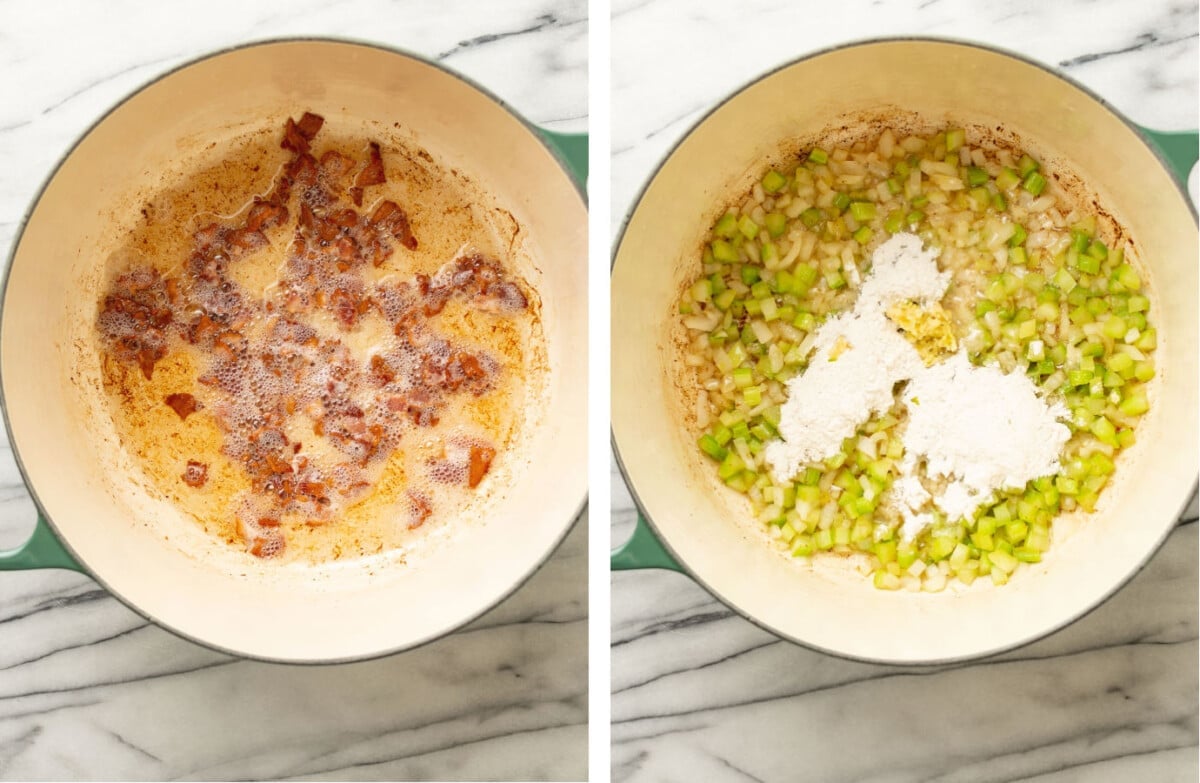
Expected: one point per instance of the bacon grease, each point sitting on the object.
(309, 421)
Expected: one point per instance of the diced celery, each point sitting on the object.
(894, 221)
(748, 227)
(1007, 179)
(1018, 237)
(862, 211)
(818, 155)
(1128, 277)
(770, 254)
(976, 176)
(709, 445)
(1026, 165)
(811, 217)
(723, 251)
(731, 466)
(841, 201)
(776, 223)
(863, 235)
(1088, 265)
(1035, 183)
(955, 139)
(726, 226)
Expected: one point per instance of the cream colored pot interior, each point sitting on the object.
(944, 83)
(136, 545)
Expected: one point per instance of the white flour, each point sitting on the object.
(981, 429)
(975, 426)
(828, 402)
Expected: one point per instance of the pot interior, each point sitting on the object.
(852, 93)
(138, 544)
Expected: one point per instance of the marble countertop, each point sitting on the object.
(700, 693)
(88, 689)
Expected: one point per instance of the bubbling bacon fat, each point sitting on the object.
(267, 371)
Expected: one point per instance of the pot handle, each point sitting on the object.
(643, 550)
(42, 550)
(1179, 148)
(572, 150)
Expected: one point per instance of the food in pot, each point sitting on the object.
(920, 350)
(295, 371)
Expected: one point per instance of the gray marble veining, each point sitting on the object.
(699, 693)
(89, 689)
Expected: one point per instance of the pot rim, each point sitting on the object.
(580, 189)
(1181, 187)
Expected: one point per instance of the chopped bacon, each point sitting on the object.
(183, 404)
(148, 357)
(381, 371)
(335, 165)
(267, 367)
(261, 541)
(345, 307)
(195, 474)
(310, 124)
(419, 509)
(480, 461)
(390, 217)
(265, 214)
(297, 135)
(301, 170)
(371, 174)
(247, 240)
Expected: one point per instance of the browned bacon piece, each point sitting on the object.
(419, 509)
(265, 214)
(335, 166)
(297, 135)
(183, 404)
(480, 461)
(195, 474)
(135, 317)
(381, 371)
(261, 540)
(371, 174)
(390, 217)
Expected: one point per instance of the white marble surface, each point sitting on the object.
(87, 688)
(700, 693)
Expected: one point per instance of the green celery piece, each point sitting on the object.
(709, 446)
(726, 225)
(724, 252)
(748, 227)
(862, 211)
(1035, 183)
(976, 176)
(811, 217)
(1007, 179)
